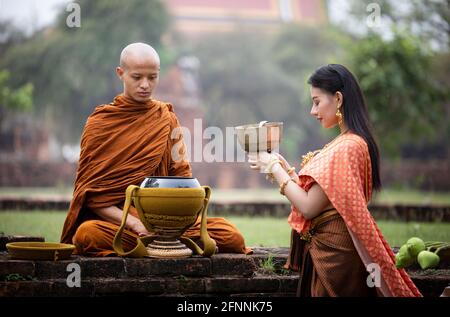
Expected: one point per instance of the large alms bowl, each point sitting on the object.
(260, 137)
(169, 207)
(169, 201)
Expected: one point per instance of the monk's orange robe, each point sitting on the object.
(122, 143)
(343, 171)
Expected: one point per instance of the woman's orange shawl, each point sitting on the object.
(122, 143)
(343, 171)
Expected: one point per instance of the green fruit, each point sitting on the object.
(403, 258)
(416, 245)
(428, 260)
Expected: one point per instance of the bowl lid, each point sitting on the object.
(169, 182)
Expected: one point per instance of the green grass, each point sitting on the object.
(258, 231)
(46, 224)
(267, 231)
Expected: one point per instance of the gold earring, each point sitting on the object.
(339, 116)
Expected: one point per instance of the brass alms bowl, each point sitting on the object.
(262, 137)
(169, 207)
(167, 213)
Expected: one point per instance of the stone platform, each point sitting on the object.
(260, 274)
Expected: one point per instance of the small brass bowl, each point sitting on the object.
(262, 137)
(40, 250)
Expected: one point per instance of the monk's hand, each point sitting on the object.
(263, 161)
(138, 228)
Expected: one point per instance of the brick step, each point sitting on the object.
(259, 285)
(222, 274)
(155, 286)
(221, 264)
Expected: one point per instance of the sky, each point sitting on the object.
(30, 15)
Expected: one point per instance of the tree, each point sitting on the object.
(9, 35)
(12, 100)
(73, 69)
(249, 76)
(427, 20)
(298, 51)
(405, 101)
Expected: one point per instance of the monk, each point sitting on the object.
(122, 143)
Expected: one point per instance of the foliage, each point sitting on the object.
(15, 99)
(427, 20)
(405, 102)
(73, 69)
(14, 277)
(240, 82)
(248, 77)
(268, 265)
(9, 35)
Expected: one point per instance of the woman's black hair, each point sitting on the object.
(334, 77)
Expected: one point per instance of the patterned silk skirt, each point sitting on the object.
(327, 260)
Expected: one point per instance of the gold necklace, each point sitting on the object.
(308, 156)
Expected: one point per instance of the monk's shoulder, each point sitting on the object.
(97, 111)
(170, 107)
(164, 105)
(170, 110)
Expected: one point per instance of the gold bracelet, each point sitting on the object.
(292, 169)
(283, 186)
(270, 177)
(270, 165)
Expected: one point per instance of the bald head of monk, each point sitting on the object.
(139, 71)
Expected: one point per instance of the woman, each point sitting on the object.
(335, 240)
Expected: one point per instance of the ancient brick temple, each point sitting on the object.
(197, 17)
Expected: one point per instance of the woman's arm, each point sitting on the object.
(113, 214)
(310, 203)
(287, 167)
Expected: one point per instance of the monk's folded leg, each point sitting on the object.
(227, 236)
(95, 238)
